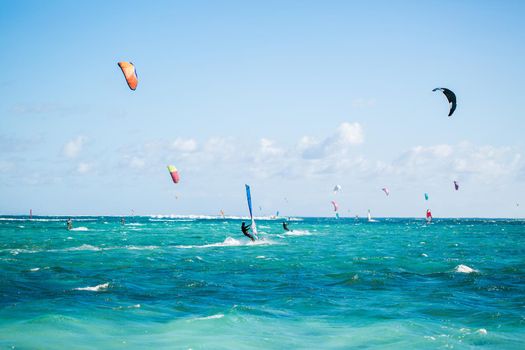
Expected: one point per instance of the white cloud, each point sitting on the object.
(184, 145)
(350, 134)
(73, 147)
(137, 162)
(267, 148)
(347, 135)
(485, 163)
(83, 168)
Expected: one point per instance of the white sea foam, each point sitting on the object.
(81, 228)
(482, 331)
(464, 269)
(44, 219)
(143, 247)
(228, 242)
(135, 224)
(215, 217)
(298, 233)
(260, 257)
(424, 255)
(99, 288)
(84, 247)
(210, 317)
(35, 269)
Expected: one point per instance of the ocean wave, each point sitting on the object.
(464, 269)
(212, 317)
(229, 242)
(99, 288)
(298, 233)
(135, 247)
(218, 217)
(81, 228)
(44, 219)
(82, 247)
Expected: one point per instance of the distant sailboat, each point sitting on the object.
(370, 217)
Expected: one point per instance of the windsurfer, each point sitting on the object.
(69, 224)
(244, 229)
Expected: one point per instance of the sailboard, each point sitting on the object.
(249, 199)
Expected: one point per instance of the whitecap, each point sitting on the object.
(482, 331)
(210, 317)
(464, 269)
(100, 287)
(298, 233)
(84, 247)
(228, 242)
(34, 269)
(424, 255)
(81, 228)
(144, 247)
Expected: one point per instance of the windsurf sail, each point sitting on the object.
(369, 215)
(30, 213)
(429, 215)
(249, 199)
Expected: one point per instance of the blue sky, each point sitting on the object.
(291, 97)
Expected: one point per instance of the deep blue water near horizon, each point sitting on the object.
(183, 283)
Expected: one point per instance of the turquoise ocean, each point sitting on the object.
(197, 283)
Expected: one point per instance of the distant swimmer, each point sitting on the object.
(285, 226)
(69, 224)
(244, 229)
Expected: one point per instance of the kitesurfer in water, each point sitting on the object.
(244, 229)
(285, 226)
(69, 224)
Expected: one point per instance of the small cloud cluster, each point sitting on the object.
(485, 163)
(73, 147)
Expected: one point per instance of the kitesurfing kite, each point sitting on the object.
(384, 189)
(174, 173)
(337, 188)
(128, 69)
(451, 97)
(426, 196)
(336, 206)
(456, 185)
